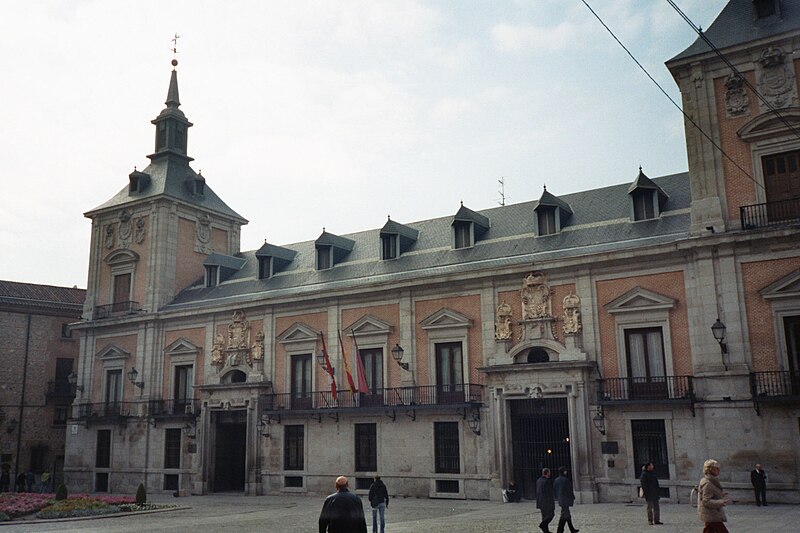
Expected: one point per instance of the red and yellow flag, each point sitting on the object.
(328, 367)
(349, 374)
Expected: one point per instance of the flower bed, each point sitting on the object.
(15, 505)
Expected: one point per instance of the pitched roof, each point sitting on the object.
(42, 296)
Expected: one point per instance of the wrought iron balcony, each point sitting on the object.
(180, 408)
(60, 390)
(116, 309)
(770, 214)
(774, 387)
(658, 389)
(419, 397)
(106, 412)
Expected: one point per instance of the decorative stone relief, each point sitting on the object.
(776, 81)
(202, 231)
(109, 238)
(125, 228)
(139, 230)
(737, 102)
(502, 323)
(572, 314)
(536, 297)
(236, 349)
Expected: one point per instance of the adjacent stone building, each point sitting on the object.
(655, 320)
(39, 354)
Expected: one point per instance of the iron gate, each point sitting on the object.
(539, 439)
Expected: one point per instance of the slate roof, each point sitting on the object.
(600, 222)
(736, 25)
(42, 296)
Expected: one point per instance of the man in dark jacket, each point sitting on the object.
(379, 501)
(565, 498)
(652, 494)
(342, 511)
(759, 480)
(545, 499)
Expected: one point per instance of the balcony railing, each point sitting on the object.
(60, 390)
(774, 387)
(106, 410)
(174, 408)
(116, 309)
(645, 390)
(770, 214)
(413, 397)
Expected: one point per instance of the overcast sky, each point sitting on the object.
(334, 114)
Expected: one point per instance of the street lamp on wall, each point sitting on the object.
(397, 355)
(132, 375)
(599, 420)
(72, 379)
(719, 330)
(321, 362)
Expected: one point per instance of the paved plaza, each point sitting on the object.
(279, 514)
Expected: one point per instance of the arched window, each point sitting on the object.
(538, 355)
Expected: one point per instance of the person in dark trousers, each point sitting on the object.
(21, 482)
(759, 480)
(545, 499)
(565, 498)
(342, 511)
(652, 493)
(379, 501)
(512, 493)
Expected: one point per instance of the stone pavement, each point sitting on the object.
(289, 514)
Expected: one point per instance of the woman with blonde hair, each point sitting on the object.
(711, 499)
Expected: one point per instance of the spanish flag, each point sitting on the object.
(328, 367)
(353, 388)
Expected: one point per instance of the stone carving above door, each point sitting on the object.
(502, 322)
(536, 297)
(572, 314)
(236, 350)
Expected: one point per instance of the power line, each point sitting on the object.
(690, 119)
(736, 71)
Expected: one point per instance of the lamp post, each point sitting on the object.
(132, 375)
(397, 355)
(719, 330)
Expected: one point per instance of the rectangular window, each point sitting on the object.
(293, 448)
(782, 185)
(102, 457)
(449, 373)
(643, 207)
(212, 275)
(113, 391)
(172, 448)
(388, 246)
(66, 332)
(264, 267)
(293, 482)
(324, 258)
(38, 456)
(171, 482)
(301, 381)
(646, 368)
(184, 387)
(650, 446)
(372, 360)
(463, 234)
(366, 448)
(446, 451)
(122, 292)
(60, 414)
(101, 482)
(546, 217)
(61, 386)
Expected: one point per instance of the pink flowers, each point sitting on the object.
(16, 504)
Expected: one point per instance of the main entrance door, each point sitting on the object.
(539, 439)
(229, 452)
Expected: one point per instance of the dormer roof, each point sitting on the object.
(407, 235)
(465, 214)
(642, 182)
(341, 245)
(228, 264)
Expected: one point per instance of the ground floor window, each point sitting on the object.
(293, 449)
(446, 450)
(650, 446)
(366, 448)
(172, 448)
(103, 449)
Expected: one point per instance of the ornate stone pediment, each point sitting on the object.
(786, 287)
(121, 257)
(446, 318)
(182, 346)
(112, 351)
(369, 325)
(770, 125)
(639, 299)
(298, 332)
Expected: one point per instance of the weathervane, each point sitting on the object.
(175, 50)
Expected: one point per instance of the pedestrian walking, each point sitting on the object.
(565, 498)
(342, 511)
(44, 484)
(545, 499)
(652, 493)
(759, 480)
(379, 501)
(711, 499)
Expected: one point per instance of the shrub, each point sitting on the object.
(4, 517)
(62, 493)
(141, 495)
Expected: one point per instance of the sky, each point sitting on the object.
(312, 114)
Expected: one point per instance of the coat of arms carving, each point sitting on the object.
(235, 348)
(536, 297)
(776, 81)
(502, 323)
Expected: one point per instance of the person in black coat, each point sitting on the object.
(342, 511)
(759, 480)
(652, 493)
(545, 499)
(565, 498)
(379, 501)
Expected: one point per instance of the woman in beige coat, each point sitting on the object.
(711, 499)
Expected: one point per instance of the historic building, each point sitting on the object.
(483, 345)
(39, 354)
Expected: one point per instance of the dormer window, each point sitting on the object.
(196, 184)
(324, 259)
(764, 8)
(643, 205)
(212, 275)
(264, 267)
(546, 217)
(137, 181)
(462, 234)
(273, 259)
(389, 246)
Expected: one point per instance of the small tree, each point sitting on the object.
(141, 495)
(62, 493)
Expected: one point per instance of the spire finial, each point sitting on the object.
(640, 168)
(544, 187)
(388, 217)
(175, 50)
